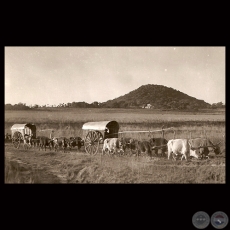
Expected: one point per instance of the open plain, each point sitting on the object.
(77, 166)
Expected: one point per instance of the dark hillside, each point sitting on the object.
(160, 97)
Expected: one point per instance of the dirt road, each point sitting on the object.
(34, 166)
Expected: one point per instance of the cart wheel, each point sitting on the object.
(17, 138)
(92, 142)
(100, 137)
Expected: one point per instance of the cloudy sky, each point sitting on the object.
(53, 75)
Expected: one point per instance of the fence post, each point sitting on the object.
(139, 136)
(149, 135)
(174, 134)
(204, 133)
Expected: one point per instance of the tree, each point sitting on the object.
(214, 106)
(95, 104)
(8, 106)
(35, 106)
(122, 104)
(116, 105)
(219, 105)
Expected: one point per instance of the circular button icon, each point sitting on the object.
(219, 220)
(201, 220)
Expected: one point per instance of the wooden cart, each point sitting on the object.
(19, 130)
(97, 132)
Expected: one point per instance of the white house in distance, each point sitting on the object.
(147, 106)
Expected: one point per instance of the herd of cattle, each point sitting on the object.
(185, 148)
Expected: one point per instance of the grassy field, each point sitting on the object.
(71, 115)
(68, 122)
(33, 166)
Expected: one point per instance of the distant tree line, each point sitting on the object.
(19, 106)
(173, 105)
(23, 106)
(217, 105)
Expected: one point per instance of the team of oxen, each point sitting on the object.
(56, 143)
(185, 148)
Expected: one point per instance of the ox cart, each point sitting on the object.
(18, 132)
(97, 132)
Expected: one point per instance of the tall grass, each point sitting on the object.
(125, 116)
(69, 122)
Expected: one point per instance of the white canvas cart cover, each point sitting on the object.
(110, 128)
(100, 125)
(18, 126)
(24, 128)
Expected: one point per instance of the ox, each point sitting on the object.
(180, 147)
(112, 145)
(159, 143)
(62, 142)
(35, 141)
(56, 144)
(203, 146)
(143, 147)
(76, 141)
(128, 143)
(7, 137)
(27, 141)
(44, 142)
(125, 142)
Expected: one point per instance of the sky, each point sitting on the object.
(61, 74)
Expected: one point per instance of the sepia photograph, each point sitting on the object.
(114, 115)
